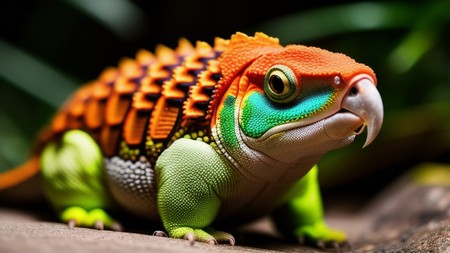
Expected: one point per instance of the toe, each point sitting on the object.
(335, 246)
(320, 244)
(222, 237)
(96, 218)
(213, 242)
(99, 225)
(159, 233)
(190, 236)
(73, 216)
(71, 223)
(209, 236)
(116, 226)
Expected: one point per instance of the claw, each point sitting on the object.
(222, 237)
(99, 225)
(335, 245)
(96, 218)
(159, 233)
(213, 242)
(338, 247)
(190, 237)
(116, 226)
(232, 241)
(320, 244)
(301, 240)
(71, 223)
(207, 235)
(346, 245)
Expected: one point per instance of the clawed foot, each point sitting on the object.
(212, 237)
(96, 218)
(320, 236)
(325, 245)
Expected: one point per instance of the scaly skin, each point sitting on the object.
(203, 134)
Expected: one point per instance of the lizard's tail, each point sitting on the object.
(19, 174)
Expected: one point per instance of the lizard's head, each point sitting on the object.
(297, 101)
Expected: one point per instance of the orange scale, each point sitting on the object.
(101, 91)
(205, 80)
(144, 57)
(190, 111)
(184, 47)
(74, 122)
(134, 126)
(59, 122)
(162, 120)
(181, 75)
(116, 109)
(197, 95)
(192, 63)
(213, 66)
(140, 102)
(149, 87)
(130, 68)
(108, 75)
(109, 138)
(77, 108)
(156, 71)
(95, 114)
(170, 90)
(221, 44)
(124, 86)
(166, 56)
(203, 49)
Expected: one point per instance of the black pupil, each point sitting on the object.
(277, 84)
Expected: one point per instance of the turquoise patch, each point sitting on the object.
(227, 122)
(259, 113)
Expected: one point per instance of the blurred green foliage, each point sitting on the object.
(48, 48)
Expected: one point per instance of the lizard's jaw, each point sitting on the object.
(362, 107)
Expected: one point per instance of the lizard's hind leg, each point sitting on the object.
(73, 177)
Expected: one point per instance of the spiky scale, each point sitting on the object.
(149, 97)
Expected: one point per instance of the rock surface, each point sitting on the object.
(407, 217)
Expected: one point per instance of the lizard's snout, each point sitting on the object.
(364, 100)
(362, 107)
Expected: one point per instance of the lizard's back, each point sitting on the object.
(137, 110)
(145, 104)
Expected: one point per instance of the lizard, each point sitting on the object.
(201, 134)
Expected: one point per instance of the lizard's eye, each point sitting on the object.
(280, 84)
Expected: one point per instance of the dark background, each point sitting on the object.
(48, 48)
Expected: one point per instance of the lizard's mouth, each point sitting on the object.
(361, 107)
(358, 129)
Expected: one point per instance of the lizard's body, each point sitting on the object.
(197, 135)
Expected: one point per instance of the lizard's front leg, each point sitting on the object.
(191, 174)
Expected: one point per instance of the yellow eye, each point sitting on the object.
(280, 84)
